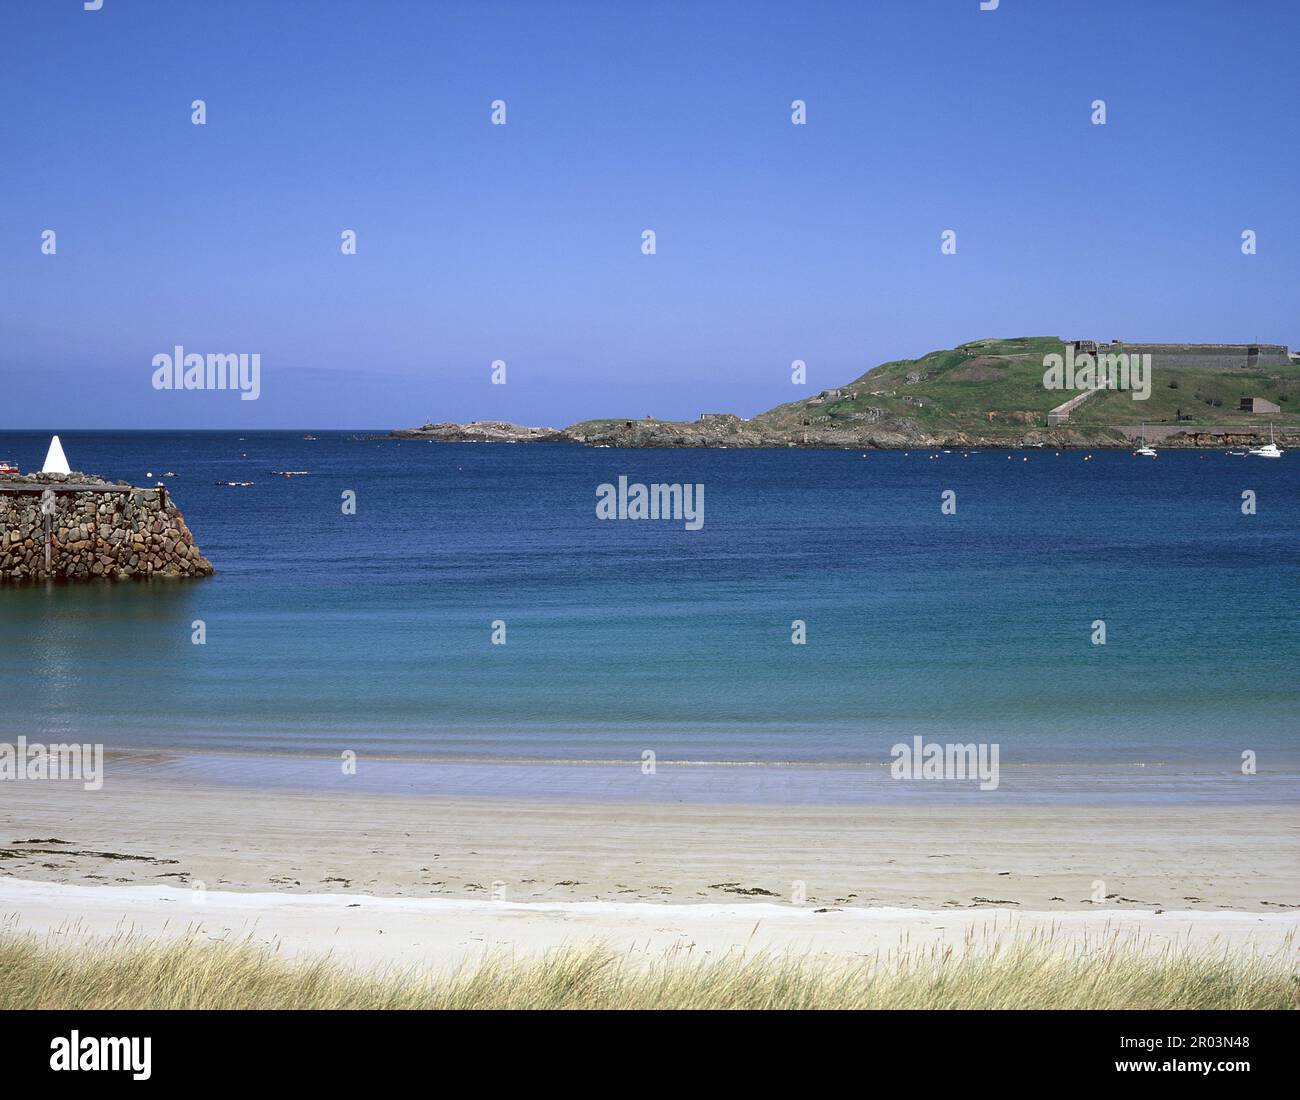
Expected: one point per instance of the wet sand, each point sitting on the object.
(150, 826)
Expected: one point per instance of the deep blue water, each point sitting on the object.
(372, 632)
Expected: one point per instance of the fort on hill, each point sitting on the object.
(1243, 357)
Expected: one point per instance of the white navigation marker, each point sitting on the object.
(56, 462)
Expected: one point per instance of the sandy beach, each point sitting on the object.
(393, 877)
(367, 931)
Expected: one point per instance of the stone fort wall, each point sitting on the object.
(1200, 356)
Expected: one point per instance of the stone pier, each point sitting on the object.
(89, 528)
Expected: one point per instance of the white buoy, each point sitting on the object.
(56, 461)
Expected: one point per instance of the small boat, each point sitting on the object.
(1268, 450)
(234, 484)
(290, 473)
(1144, 451)
(8, 468)
(310, 438)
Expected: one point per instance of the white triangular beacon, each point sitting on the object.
(56, 461)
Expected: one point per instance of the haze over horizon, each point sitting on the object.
(522, 242)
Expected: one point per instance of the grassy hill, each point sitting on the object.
(994, 388)
(1200, 397)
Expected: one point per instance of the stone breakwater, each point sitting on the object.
(97, 529)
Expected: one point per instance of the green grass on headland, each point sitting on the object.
(957, 389)
(1190, 396)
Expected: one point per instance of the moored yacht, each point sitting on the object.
(1269, 449)
(1144, 451)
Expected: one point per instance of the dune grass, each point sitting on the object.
(188, 974)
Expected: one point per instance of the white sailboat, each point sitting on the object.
(1144, 451)
(1269, 449)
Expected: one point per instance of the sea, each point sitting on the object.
(425, 604)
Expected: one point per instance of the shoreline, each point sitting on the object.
(702, 783)
(154, 828)
(1246, 435)
(138, 753)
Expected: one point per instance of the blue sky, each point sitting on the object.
(522, 243)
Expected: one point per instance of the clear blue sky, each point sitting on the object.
(522, 242)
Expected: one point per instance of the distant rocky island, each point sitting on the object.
(985, 393)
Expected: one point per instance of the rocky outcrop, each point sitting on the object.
(483, 431)
(97, 529)
(895, 434)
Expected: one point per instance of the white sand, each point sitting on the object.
(414, 877)
(439, 933)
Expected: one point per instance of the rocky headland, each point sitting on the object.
(986, 393)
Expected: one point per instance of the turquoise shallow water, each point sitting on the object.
(372, 632)
(784, 784)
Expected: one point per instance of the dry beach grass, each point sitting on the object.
(133, 972)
